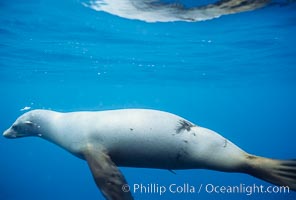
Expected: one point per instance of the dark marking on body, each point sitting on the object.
(225, 143)
(131, 129)
(184, 125)
(251, 157)
(181, 153)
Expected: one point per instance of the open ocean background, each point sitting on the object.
(235, 75)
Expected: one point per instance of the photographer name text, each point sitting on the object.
(186, 188)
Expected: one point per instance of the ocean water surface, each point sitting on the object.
(235, 74)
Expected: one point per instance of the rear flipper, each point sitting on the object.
(223, 7)
(234, 6)
(278, 172)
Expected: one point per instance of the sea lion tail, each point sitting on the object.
(278, 172)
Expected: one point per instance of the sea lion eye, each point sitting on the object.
(15, 127)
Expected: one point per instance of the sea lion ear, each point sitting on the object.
(29, 123)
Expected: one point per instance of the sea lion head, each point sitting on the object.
(27, 124)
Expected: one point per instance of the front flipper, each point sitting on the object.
(106, 175)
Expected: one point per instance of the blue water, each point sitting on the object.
(235, 75)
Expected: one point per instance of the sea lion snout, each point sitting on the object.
(9, 133)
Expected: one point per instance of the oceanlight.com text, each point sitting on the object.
(186, 188)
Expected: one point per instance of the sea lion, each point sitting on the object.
(144, 138)
(160, 11)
